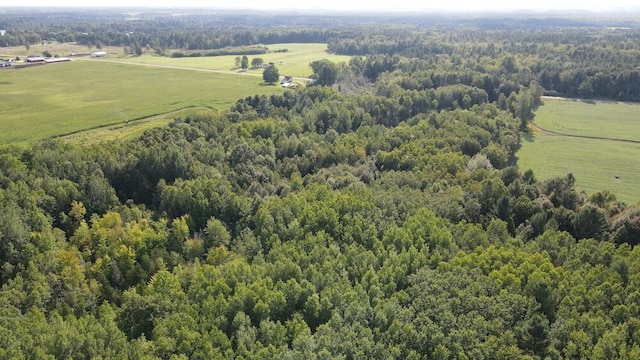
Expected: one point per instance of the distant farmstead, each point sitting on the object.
(98, 54)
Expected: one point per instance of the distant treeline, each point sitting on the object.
(580, 62)
(254, 50)
(566, 57)
(156, 38)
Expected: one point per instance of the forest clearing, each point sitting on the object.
(59, 99)
(294, 61)
(591, 139)
(613, 120)
(92, 93)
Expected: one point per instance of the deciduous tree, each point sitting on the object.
(256, 62)
(271, 75)
(244, 63)
(325, 72)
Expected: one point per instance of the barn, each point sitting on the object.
(34, 59)
(55, 60)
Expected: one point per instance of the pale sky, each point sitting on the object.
(386, 5)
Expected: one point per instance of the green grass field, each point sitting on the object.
(597, 164)
(590, 118)
(63, 98)
(294, 62)
(124, 131)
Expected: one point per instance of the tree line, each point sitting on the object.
(582, 62)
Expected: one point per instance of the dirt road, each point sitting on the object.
(546, 132)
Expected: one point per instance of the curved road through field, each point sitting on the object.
(554, 133)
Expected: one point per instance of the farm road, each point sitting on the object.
(553, 133)
(187, 68)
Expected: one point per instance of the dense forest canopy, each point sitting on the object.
(377, 214)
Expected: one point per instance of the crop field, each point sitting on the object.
(598, 164)
(63, 98)
(294, 62)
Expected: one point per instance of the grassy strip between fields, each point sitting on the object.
(124, 131)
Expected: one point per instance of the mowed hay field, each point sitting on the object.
(598, 164)
(62, 98)
(615, 120)
(294, 62)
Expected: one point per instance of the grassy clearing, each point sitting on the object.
(590, 118)
(597, 164)
(63, 98)
(295, 62)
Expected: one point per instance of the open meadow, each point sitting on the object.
(294, 62)
(598, 164)
(607, 119)
(63, 98)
